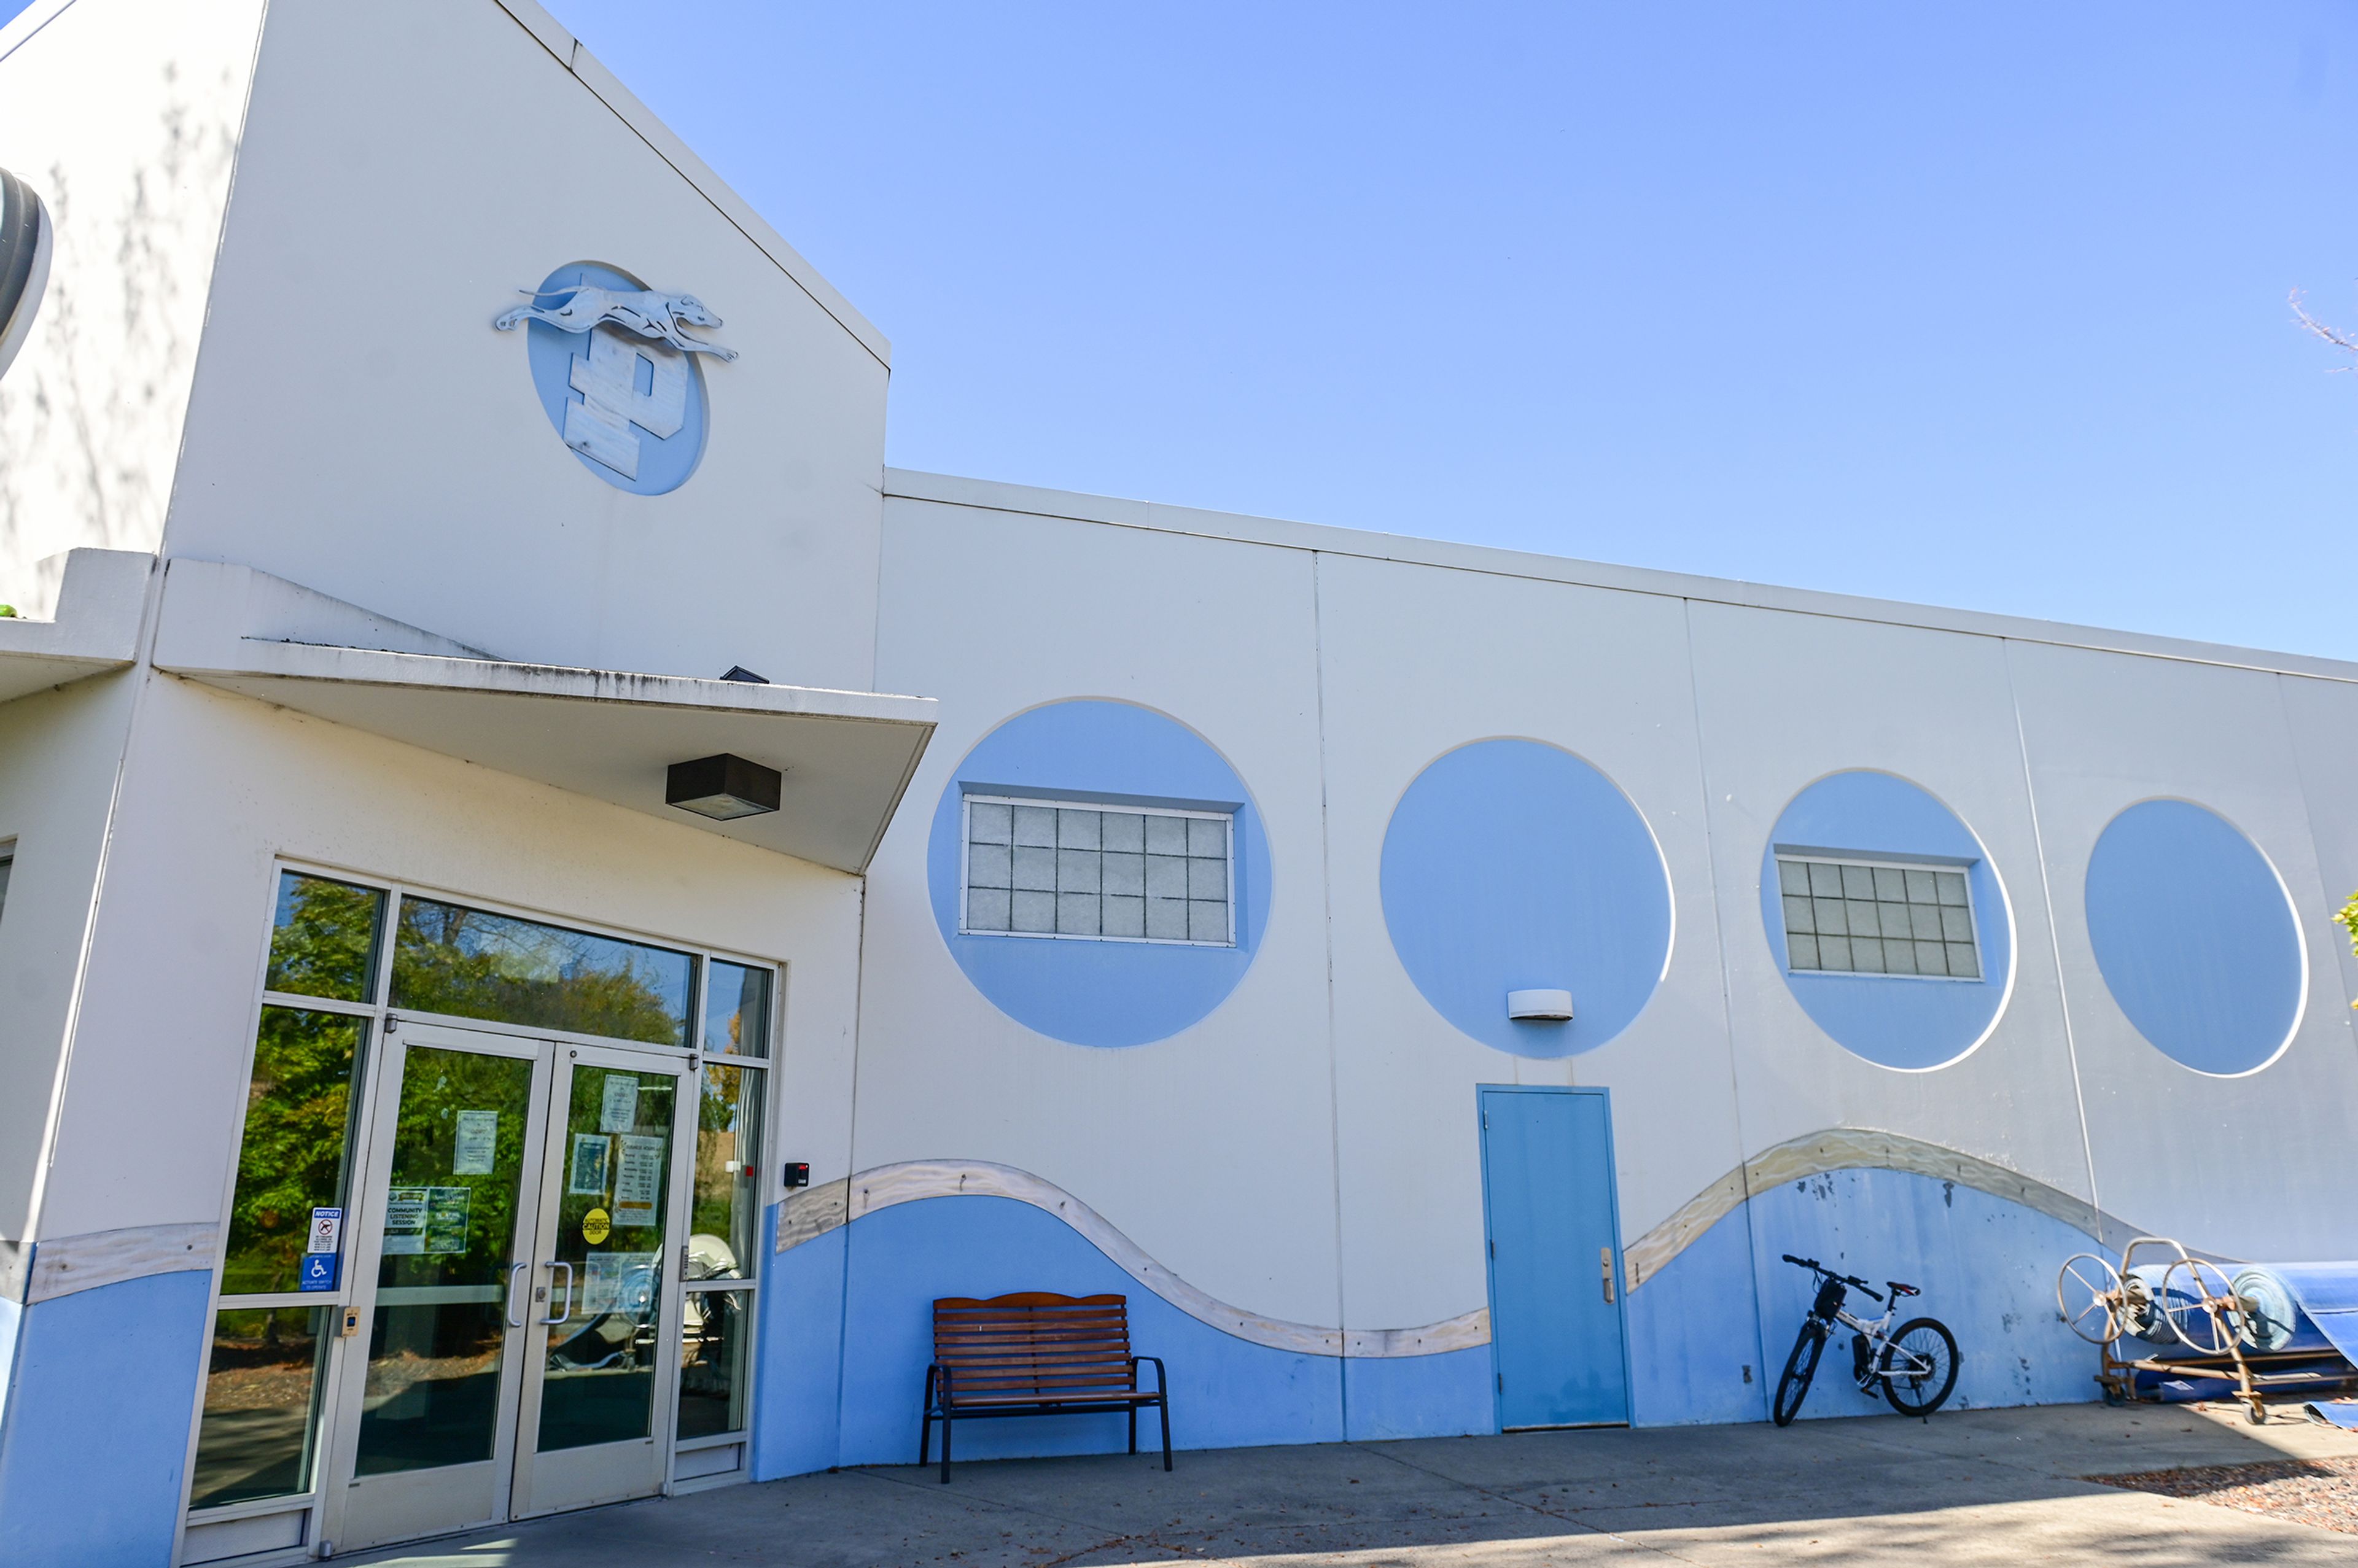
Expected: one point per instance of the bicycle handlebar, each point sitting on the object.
(1816, 1267)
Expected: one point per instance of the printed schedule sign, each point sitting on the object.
(638, 1182)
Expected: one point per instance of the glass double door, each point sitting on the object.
(518, 1327)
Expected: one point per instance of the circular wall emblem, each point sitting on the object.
(1512, 864)
(1107, 993)
(2196, 936)
(1906, 1019)
(616, 374)
(24, 263)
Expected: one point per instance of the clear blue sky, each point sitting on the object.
(1979, 305)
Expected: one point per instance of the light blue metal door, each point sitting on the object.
(1555, 1286)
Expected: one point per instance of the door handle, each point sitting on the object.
(513, 1270)
(555, 1317)
(1605, 1266)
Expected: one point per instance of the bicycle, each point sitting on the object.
(1917, 1366)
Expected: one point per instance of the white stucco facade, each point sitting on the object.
(336, 606)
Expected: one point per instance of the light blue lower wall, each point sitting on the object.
(1419, 1396)
(11, 1313)
(1224, 1392)
(1691, 1335)
(95, 1440)
(847, 1327)
(1986, 1266)
(800, 1397)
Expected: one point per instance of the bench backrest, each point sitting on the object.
(1035, 1342)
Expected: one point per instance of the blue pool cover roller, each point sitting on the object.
(2301, 1307)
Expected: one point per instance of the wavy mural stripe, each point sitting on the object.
(807, 1216)
(1852, 1148)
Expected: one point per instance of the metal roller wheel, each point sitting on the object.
(2201, 1303)
(2088, 1293)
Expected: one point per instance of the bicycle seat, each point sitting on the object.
(1900, 1290)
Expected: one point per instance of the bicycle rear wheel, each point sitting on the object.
(1920, 1367)
(1799, 1368)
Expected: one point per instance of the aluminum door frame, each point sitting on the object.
(342, 1414)
(605, 1472)
(1613, 1212)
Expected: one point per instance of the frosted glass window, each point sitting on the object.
(1857, 918)
(1107, 873)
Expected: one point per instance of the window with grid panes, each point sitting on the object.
(1865, 919)
(1108, 873)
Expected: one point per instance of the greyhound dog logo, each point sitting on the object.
(643, 311)
(615, 366)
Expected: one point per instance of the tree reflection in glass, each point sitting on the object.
(294, 1155)
(470, 963)
(725, 1218)
(324, 941)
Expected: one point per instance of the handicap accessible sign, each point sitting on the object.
(318, 1271)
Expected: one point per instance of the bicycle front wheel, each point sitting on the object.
(1920, 1367)
(1799, 1368)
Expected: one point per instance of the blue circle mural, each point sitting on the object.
(1910, 1021)
(632, 409)
(2195, 936)
(1107, 991)
(1513, 865)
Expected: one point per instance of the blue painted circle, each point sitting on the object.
(665, 461)
(1092, 992)
(1894, 1021)
(1512, 865)
(2195, 936)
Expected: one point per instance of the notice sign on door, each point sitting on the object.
(638, 1182)
(479, 1139)
(585, 1175)
(327, 1231)
(619, 1111)
(426, 1219)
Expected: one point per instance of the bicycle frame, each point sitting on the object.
(1903, 1363)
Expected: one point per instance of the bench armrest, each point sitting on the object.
(1162, 1377)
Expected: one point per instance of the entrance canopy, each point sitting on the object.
(847, 756)
(96, 628)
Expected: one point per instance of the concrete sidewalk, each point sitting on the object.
(1973, 1487)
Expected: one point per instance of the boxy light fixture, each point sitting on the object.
(723, 787)
(1540, 1007)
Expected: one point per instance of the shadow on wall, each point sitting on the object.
(88, 413)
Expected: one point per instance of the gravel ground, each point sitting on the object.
(2323, 1492)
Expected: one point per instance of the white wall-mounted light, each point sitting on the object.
(1540, 1007)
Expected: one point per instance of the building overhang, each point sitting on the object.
(613, 735)
(96, 628)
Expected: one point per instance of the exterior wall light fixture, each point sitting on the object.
(723, 787)
(1540, 1007)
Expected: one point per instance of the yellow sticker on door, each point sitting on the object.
(595, 1225)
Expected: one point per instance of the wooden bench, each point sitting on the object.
(1035, 1354)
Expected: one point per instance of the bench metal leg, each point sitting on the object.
(1133, 1429)
(1165, 1407)
(946, 1448)
(926, 1424)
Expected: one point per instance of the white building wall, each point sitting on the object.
(2239, 1165)
(1213, 1151)
(135, 180)
(358, 427)
(58, 755)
